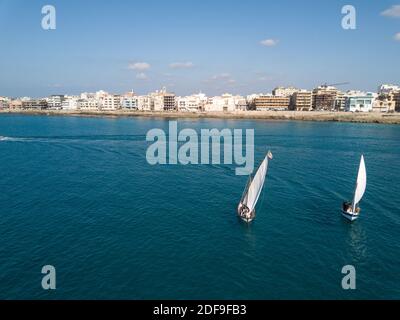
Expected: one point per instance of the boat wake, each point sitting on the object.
(11, 139)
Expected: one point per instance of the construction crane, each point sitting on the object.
(336, 84)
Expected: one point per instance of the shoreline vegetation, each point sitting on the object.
(319, 116)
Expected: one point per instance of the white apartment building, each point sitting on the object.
(55, 101)
(360, 102)
(240, 103)
(88, 104)
(224, 103)
(144, 103)
(157, 103)
(130, 102)
(193, 103)
(70, 103)
(110, 102)
(4, 103)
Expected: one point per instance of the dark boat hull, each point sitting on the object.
(350, 216)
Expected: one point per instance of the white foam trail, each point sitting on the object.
(11, 139)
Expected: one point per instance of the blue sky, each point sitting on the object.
(190, 45)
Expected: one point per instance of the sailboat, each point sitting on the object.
(247, 206)
(351, 210)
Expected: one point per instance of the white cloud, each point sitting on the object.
(263, 76)
(141, 76)
(221, 76)
(181, 65)
(393, 12)
(139, 66)
(397, 36)
(269, 42)
(225, 78)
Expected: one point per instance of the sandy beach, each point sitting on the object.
(383, 118)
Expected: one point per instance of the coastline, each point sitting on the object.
(318, 116)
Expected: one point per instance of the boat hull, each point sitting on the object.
(350, 216)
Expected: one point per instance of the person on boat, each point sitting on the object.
(347, 206)
(248, 215)
(245, 212)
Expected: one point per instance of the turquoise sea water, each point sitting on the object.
(77, 193)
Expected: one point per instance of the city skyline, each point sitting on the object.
(132, 92)
(324, 97)
(209, 47)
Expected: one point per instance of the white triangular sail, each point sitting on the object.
(256, 186)
(361, 183)
(245, 192)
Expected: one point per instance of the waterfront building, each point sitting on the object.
(34, 104)
(215, 104)
(241, 103)
(224, 103)
(270, 102)
(340, 101)
(130, 103)
(4, 103)
(55, 101)
(88, 104)
(284, 91)
(193, 103)
(70, 103)
(162, 100)
(360, 103)
(301, 101)
(169, 101)
(15, 104)
(396, 97)
(144, 103)
(250, 100)
(110, 102)
(326, 98)
(385, 102)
